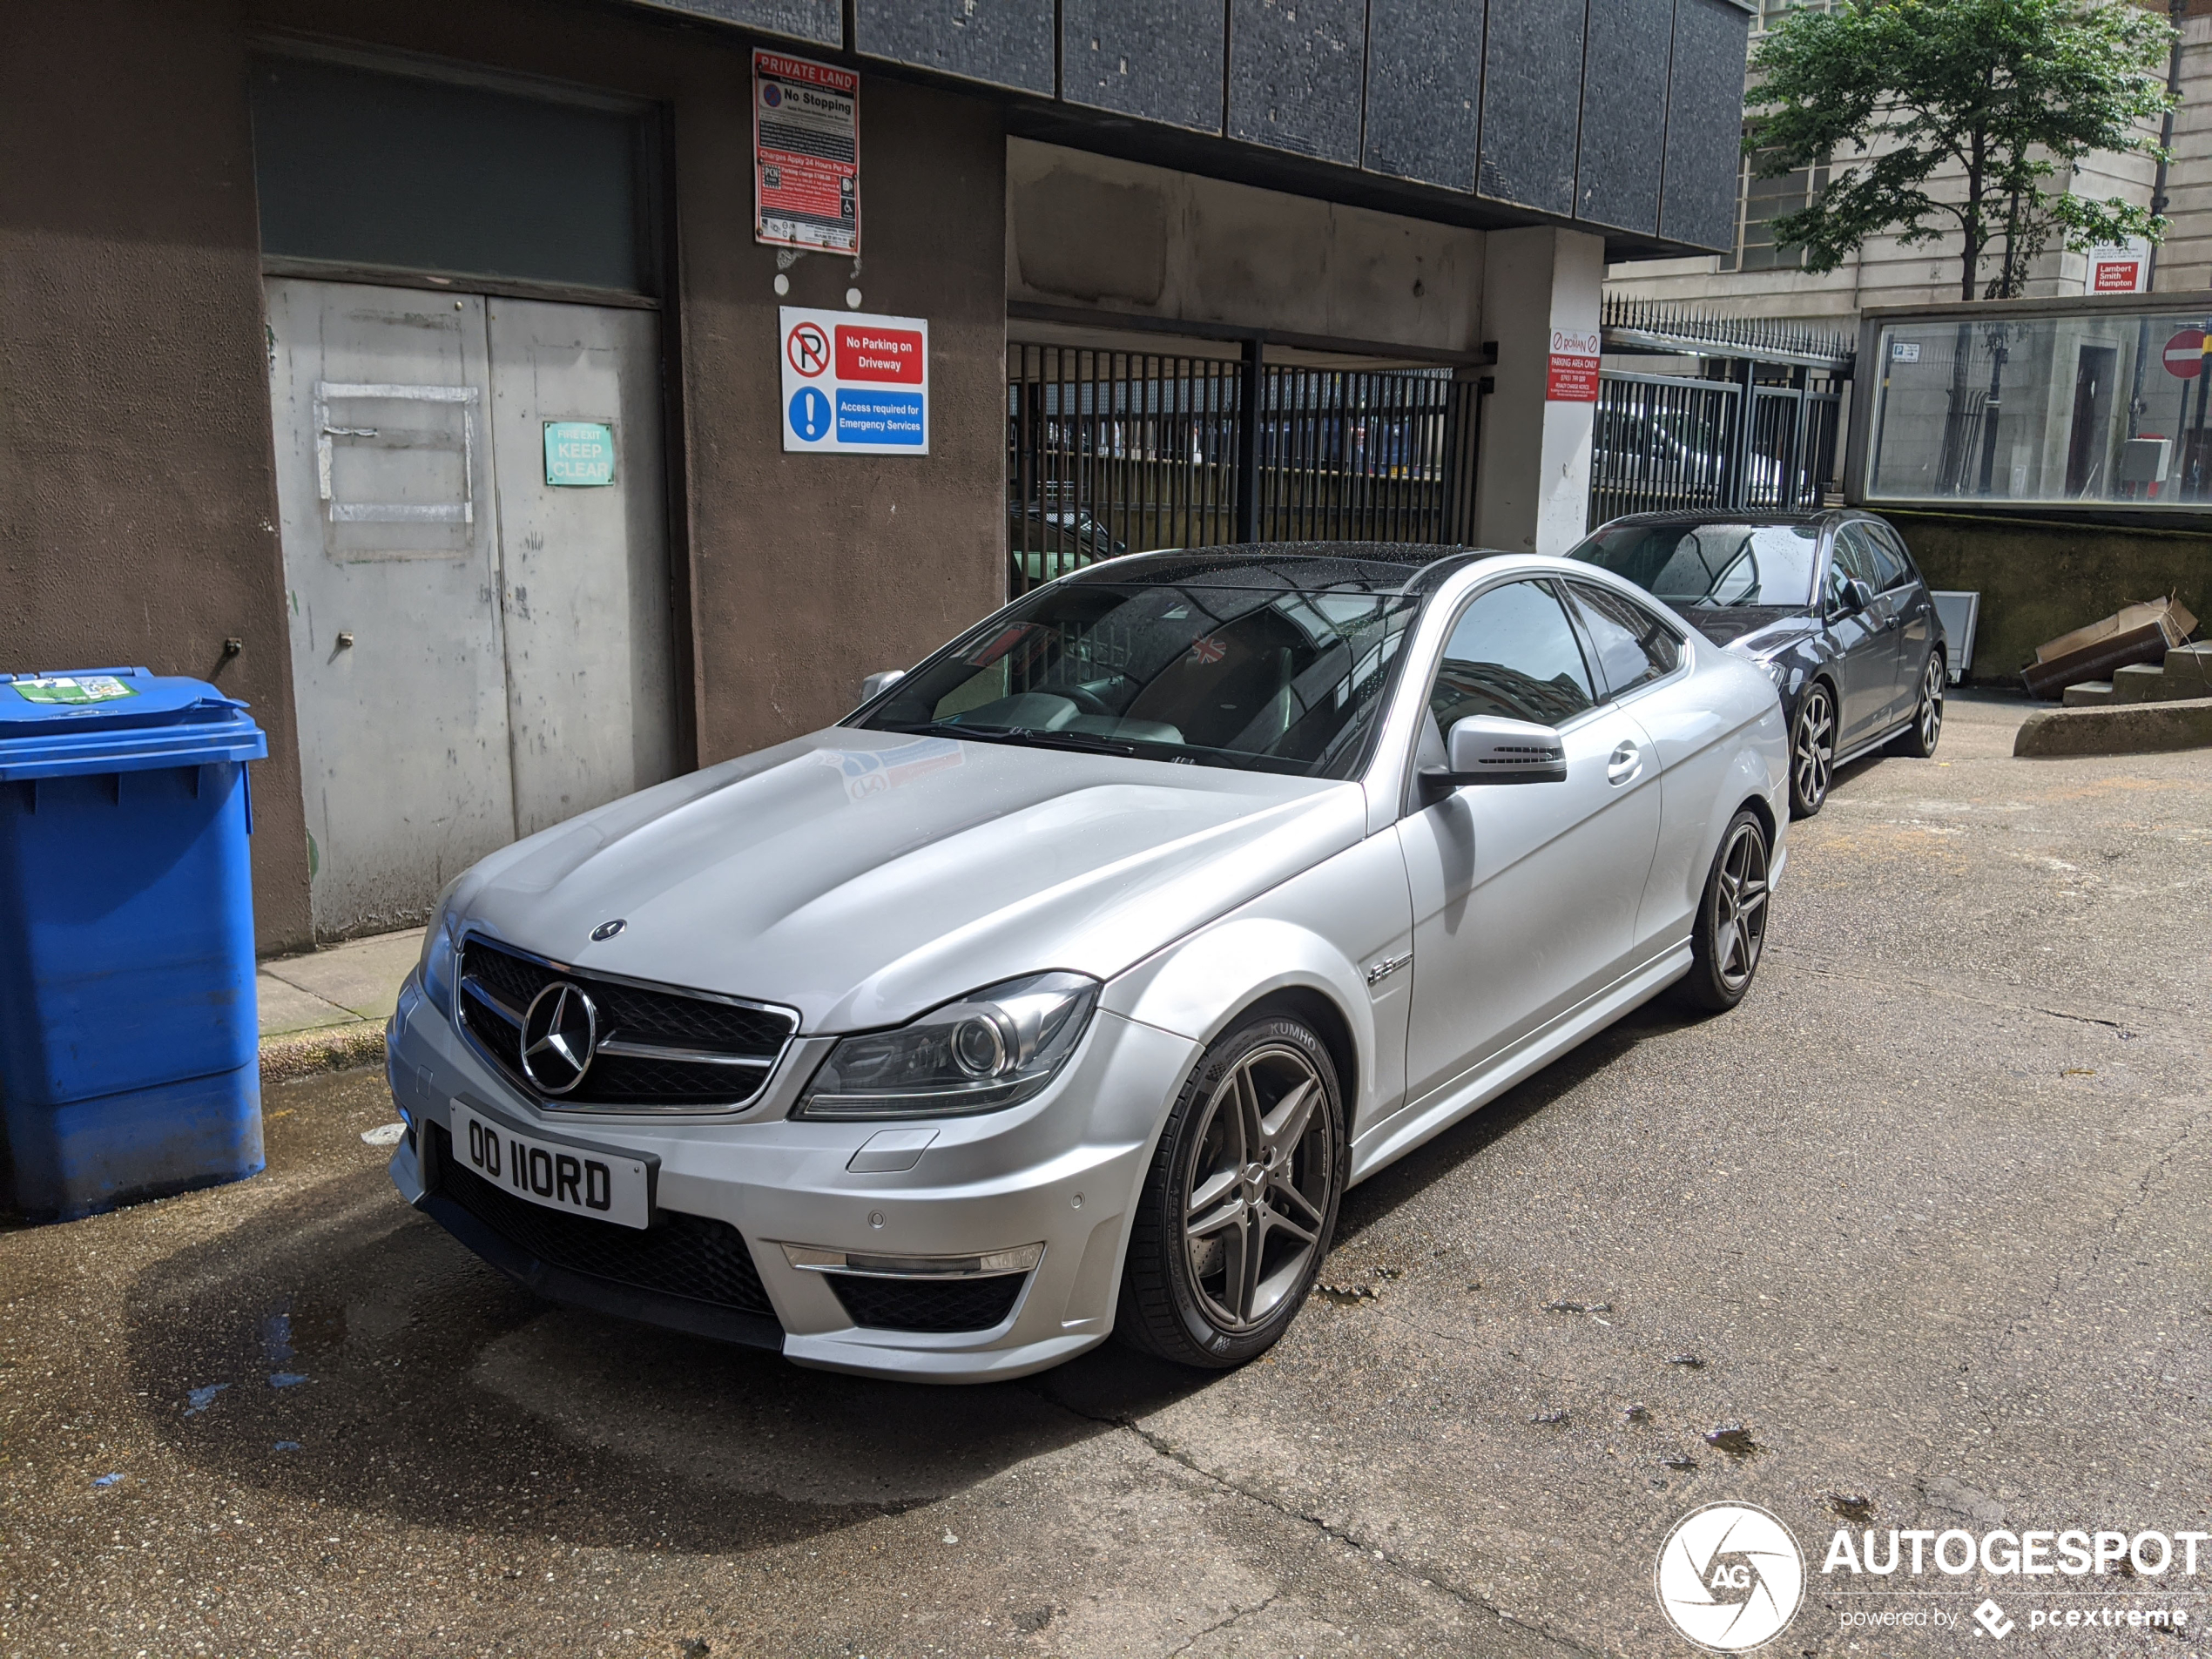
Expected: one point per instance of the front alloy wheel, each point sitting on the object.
(1918, 740)
(1241, 1202)
(1812, 750)
(1731, 931)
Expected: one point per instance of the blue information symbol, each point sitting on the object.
(810, 412)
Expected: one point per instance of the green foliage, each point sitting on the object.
(1937, 116)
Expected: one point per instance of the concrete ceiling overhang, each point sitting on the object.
(1622, 119)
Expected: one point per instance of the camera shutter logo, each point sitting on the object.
(1731, 1577)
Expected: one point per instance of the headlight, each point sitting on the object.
(993, 1049)
(436, 967)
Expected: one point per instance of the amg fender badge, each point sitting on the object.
(1382, 970)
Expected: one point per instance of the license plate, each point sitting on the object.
(581, 1180)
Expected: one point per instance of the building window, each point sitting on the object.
(1771, 12)
(1759, 203)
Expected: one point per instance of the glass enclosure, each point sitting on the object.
(2107, 407)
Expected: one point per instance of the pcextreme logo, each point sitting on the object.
(1729, 1577)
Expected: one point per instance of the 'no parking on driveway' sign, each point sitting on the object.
(855, 384)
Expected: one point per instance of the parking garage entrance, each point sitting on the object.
(1120, 450)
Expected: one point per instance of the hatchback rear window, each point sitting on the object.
(1712, 564)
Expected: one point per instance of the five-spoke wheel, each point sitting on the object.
(1241, 1202)
(1731, 931)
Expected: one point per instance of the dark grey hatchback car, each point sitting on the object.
(1828, 604)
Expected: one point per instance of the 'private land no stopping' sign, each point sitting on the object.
(855, 384)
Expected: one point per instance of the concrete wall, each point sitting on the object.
(2039, 578)
(1149, 242)
(137, 507)
(137, 500)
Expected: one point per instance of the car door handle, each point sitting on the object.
(1625, 762)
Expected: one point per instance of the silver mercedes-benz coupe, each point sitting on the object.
(1064, 987)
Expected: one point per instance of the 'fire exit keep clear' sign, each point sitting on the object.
(579, 454)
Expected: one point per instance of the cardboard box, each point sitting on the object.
(2137, 633)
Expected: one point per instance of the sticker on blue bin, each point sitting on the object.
(88, 688)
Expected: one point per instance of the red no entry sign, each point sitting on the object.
(2185, 354)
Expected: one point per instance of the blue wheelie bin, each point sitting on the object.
(129, 1041)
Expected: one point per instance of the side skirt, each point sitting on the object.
(1871, 745)
(1399, 1134)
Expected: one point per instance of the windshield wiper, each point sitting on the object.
(1028, 736)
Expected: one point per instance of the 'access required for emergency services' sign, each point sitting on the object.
(855, 384)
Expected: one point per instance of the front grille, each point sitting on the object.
(678, 1255)
(497, 986)
(939, 1305)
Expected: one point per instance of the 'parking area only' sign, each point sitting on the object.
(855, 384)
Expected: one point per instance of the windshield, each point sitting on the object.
(1711, 564)
(1276, 679)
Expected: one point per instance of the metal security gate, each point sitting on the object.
(1685, 442)
(1111, 452)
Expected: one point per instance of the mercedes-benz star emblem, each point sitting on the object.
(560, 1034)
(607, 930)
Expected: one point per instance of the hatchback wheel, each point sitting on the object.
(1812, 750)
(1918, 740)
(1730, 933)
(1241, 1202)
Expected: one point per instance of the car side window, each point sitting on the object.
(1852, 559)
(1633, 646)
(1890, 548)
(1513, 653)
(1889, 569)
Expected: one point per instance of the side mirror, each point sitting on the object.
(1855, 598)
(1489, 749)
(879, 682)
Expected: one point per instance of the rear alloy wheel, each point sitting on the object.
(1812, 750)
(1241, 1202)
(1918, 740)
(1731, 931)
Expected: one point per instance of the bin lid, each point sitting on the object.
(61, 722)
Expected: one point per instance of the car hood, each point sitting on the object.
(1752, 629)
(863, 877)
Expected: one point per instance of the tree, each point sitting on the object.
(2000, 93)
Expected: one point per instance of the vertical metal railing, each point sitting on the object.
(1666, 444)
(1110, 452)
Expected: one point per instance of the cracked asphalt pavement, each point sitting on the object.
(1916, 1238)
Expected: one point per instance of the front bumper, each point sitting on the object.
(1061, 1171)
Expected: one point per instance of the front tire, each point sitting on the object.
(1240, 1205)
(1920, 739)
(1812, 750)
(1729, 936)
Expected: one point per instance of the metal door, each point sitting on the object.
(391, 555)
(590, 696)
(459, 680)
(1524, 898)
(1867, 642)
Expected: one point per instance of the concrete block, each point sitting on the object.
(2088, 694)
(2189, 671)
(2119, 729)
(2138, 683)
